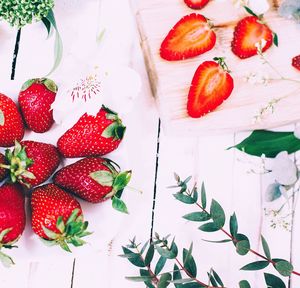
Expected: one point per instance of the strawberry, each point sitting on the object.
(57, 217)
(196, 4)
(250, 32)
(35, 101)
(31, 163)
(211, 85)
(93, 135)
(3, 171)
(190, 37)
(12, 218)
(11, 123)
(94, 179)
(296, 62)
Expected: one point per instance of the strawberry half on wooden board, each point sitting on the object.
(35, 100)
(93, 135)
(196, 4)
(95, 180)
(191, 36)
(11, 123)
(252, 36)
(296, 62)
(57, 217)
(211, 85)
(31, 163)
(12, 218)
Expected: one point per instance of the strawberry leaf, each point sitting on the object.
(275, 39)
(49, 233)
(50, 85)
(104, 178)
(109, 131)
(2, 118)
(251, 12)
(6, 260)
(4, 233)
(27, 84)
(119, 205)
(121, 180)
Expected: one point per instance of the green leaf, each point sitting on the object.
(244, 284)
(58, 45)
(250, 11)
(122, 180)
(217, 277)
(64, 246)
(49, 233)
(6, 260)
(203, 196)
(149, 255)
(273, 281)
(258, 265)
(212, 280)
(284, 267)
(189, 263)
(168, 253)
(218, 241)
(47, 25)
(275, 39)
(2, 118)
(176, 276)
(139, 278)
(73, 216)
(148, 283)
(27, 84)
(233, 225)
(269, 143)
(265, 247)
(133, 258)
(160, 265)
(119, 205)
(4, 233)
(217, 214)
(242, 247)
(181, 281)
(184, 198)
(109, 131)
(120, 131)
(50, 84)
(104, 178)
(192, 285)
(197, 216)
(164, 280)
(60, 225)
(209, 227)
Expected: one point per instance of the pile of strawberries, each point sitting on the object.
(57, 216)
(194, 35)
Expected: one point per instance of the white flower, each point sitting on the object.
(115, 87)
(284, 169)
(259, 77)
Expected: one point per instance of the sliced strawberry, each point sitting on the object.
(211, 85)
(250, 31)
(196, 4)
(190, 37)
(296, 62)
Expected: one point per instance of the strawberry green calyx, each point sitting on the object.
(116, 129)
(115, 179)
(70, 232)
(5, 259)
(18, 162)
(222, 63)
(50, 84)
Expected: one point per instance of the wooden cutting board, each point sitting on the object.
(170, 81)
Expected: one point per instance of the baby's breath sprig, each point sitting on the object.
(166, 251)
(215, 219)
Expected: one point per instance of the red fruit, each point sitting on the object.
(57, 217)
(12, 218)
(211, 85)
(248, 32)
(196, 4)
(32, 163)
(93, 135)
(11, 123)
(93, 179)
(35, 101)
(3, 171)
(190, 37)
(296, 62)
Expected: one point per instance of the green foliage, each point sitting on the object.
(18, 13)
(273, 281)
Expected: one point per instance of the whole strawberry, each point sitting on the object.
(12, 218)
(94, 179)
(11, 123)
(31, 163)
(3, 171)
(93, 135)
(57, 217)
(35, 101)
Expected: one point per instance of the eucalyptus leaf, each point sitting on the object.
(284, 267)
(197, 216)
(266, 247)
(273, 281)
(139, 278)
(189, 263)
(133, 258)
(233, 225)
(209, 227)
(160, 265)
(176, 276)
(244, 284)
(257, 265)
(164, 280)
(146, 273)
(184, 198)
(273, 192)
(217, 277)
(269, 143)
(203, 196)
(243, 247)
(149, 255)
(217, 214)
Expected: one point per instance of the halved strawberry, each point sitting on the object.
(196, 4)
(190, 37)
(211, 85)
(248, 33)
(296, 62)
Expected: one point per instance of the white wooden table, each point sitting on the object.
(224, 172)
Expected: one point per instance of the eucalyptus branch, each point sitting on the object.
(215, 221)
(167, 251)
